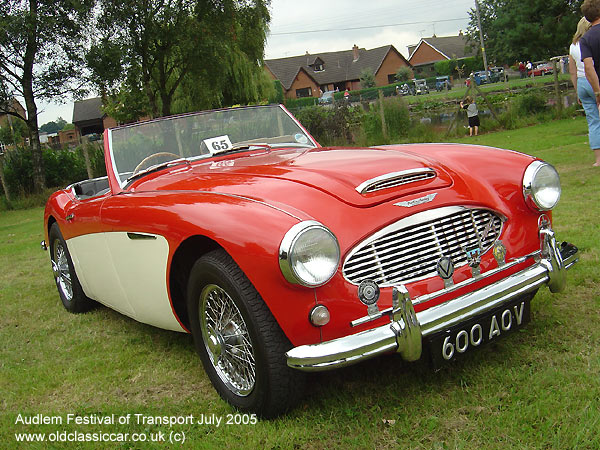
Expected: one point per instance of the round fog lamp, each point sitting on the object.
(319, 316)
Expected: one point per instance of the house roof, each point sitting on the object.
(90, 109)
(451, 47)
(338, 66)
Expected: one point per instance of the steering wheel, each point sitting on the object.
(151, 157)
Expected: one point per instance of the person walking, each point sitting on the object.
(589, 45)
(583, 88)
(472, 114)
(529, 68)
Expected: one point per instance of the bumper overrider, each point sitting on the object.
(406, 330)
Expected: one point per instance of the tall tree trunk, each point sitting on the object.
(39, 180)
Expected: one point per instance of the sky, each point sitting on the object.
(319, 26)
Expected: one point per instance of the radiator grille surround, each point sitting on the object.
(408, 250)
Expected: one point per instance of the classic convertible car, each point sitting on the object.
(283, 257)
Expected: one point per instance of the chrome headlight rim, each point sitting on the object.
(287, 246)
(529, 193)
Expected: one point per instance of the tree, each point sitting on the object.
(514, 30)
(367, 78)
(40, 57)
(53, 126)
(404, 74)
(180, 54)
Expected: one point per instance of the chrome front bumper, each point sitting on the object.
(406, 330)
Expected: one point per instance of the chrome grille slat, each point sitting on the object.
(408, 253)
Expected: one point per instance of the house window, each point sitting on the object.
(304, 92)
(391, 78)
(319, 67)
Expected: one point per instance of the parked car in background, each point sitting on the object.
(442, 83)
(282, 257)
(421, 87)
(405, 89)
(496, 74)
(481, 77)
(326, 98)
(541, 68)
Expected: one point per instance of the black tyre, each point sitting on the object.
(239, 341)
(69, 289)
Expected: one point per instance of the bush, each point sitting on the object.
(404, 74)
(532, 102)
(331, 126)
(278, 96)
(397, 117)
(397, 121)
(367, 78)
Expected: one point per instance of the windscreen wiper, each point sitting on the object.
(157, 167)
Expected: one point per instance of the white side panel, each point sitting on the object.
(96, 272)
(136, 282)
(142, 268)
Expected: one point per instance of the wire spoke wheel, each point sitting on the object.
(69, 288)
(60, 267)
(227, 340)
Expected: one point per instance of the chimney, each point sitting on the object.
(355, 53)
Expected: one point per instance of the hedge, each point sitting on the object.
(61, 167)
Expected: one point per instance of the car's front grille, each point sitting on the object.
(409, 249)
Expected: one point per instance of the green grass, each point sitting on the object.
(538, 388)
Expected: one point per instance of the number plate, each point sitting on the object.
(464, 337)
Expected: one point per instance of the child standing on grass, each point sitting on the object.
(472, 114)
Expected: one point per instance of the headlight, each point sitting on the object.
(541, 186)
(309, 254)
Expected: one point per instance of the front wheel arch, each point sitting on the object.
(182, 262)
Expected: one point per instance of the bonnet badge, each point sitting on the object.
(417, 201)
(445, 269)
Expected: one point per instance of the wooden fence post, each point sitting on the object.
(382, 114)
(2, 179)
(556, 87)
(88, 164)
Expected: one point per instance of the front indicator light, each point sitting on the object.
(319, 316)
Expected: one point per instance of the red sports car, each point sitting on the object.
(541, 69)
(283, 257)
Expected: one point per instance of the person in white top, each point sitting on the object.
(585, 93)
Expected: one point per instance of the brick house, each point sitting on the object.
(89, 118)
(309, 75)
(14, 106)
(428, 51)
(6, 120)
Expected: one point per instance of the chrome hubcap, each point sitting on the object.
(60, 268)
(227, 340)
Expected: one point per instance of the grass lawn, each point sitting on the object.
(538, 388)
